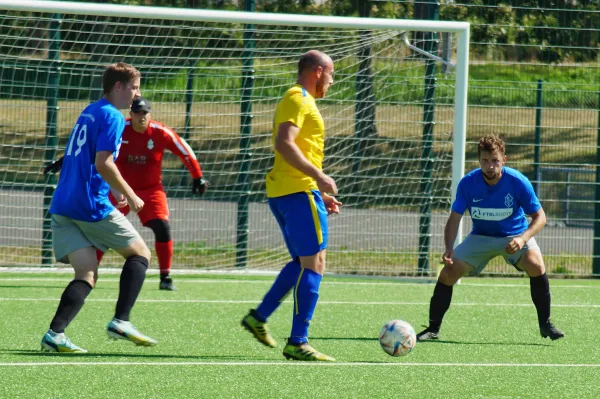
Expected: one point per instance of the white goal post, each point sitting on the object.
(461, 29)
(456, 91)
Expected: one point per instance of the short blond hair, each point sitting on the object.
(119, 72)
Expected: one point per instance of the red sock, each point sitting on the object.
(99, 255)
(164, 252)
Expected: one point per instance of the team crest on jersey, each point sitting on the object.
(508, 201)
(150, 144)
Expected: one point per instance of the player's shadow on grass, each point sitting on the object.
(62, 287)
(438, 341)
(445, 341)
(34, 353)
(345, 338)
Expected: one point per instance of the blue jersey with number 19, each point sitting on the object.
(82, 194)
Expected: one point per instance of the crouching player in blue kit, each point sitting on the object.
(84, 219)
(498, 198)
(297, 190)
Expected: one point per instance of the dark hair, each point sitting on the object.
(491, 143)
(119, 72)
(311, 60)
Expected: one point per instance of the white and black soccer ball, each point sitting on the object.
(397, 338)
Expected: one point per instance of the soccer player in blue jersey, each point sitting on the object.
(300, 198)
(498, 198)
(84, 219)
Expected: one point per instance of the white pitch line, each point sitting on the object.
(153, 270)
(405, 281)
(297, 364)
(367, 283)
(245, 301)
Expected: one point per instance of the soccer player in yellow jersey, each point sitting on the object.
(301, 197)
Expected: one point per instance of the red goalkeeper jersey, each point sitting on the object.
(141, 154)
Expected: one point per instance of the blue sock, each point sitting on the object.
(288, 276)
(306, 294)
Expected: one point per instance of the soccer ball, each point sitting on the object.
(397, 338)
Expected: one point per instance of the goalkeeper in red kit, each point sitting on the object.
(140, 163)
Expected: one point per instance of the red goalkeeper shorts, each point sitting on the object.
(155, 205)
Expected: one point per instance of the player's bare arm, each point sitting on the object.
(285, 144)
(108, 170)
(538, 221)
(450, 233)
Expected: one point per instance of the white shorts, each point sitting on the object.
(69, 235)
(478, 250)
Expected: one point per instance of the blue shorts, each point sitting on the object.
(303, 221)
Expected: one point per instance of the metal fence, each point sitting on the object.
(534, 79)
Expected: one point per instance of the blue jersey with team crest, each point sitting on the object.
(498, 210)
(82, 194)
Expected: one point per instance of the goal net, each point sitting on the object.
(394, 119)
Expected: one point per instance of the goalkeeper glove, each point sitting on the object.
(54, 167)
(199, 186)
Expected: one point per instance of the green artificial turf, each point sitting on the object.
(490, 346)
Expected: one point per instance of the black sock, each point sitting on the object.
(132, 279)
(540, 295)
(70, 304)
(164, 276)
(440, 302)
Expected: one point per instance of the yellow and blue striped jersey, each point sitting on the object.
(298, 107)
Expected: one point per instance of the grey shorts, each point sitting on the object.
(69, 235)
(478, 250)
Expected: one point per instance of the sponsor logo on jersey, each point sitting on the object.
(493, 214)
(137, 159)
(150, 144)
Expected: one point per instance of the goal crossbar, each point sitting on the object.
(259, 18)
